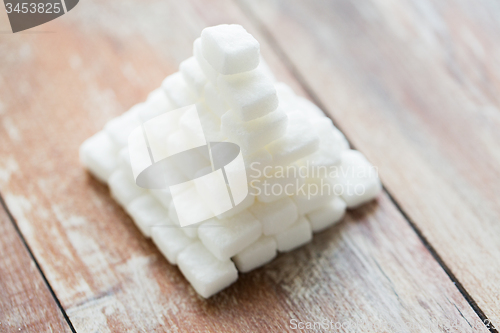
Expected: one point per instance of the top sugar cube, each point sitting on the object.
(230, 49)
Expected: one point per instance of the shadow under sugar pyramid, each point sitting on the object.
(291, 174)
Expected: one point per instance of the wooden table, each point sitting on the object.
(413, 84)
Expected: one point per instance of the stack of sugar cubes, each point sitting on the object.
(290, 149)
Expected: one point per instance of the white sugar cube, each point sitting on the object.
(214, 100)
(99, 155)
(332, 143)
(255, 134)
(164, 197)
(207, 274)
(172, 214)
(156, 104)
(275, 216)
(190, 231)
(225, 238)
(266, 70)
(249, 95)
(180, 141)
(258, 164)
(316, 193)
(210, 124)
(172, 174)
(308, 108)
(191, 162)
(177, 90)
(279, 185)
(256, 254)
(188, 207)
(120, 127)
(243, 205)
(211, 127)
(124, 161)
(299, 141)
(286, 96)
(210, 73)
(214, 192)
(358, 178)
(296, 235)
(329, 133)
(327, 215)
(123, 187)
(230, 49)
(170, 240)
(193, 75)
(146, 211)
(187, 162)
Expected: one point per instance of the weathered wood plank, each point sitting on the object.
(414, 85)
(26, 304)
(371, 268)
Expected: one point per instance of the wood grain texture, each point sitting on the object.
(57, 89)
(415, 85)
(26, 304)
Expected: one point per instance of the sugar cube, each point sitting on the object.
(299, 141)
(332, 143)
(158, 131)
(255, 134)
(247, 202)
(327, 215)
(207, 274)
(286, 96)
(276, 216)
(170, 240)
(182, 139)
(296, 235)
(164, 197)
(172, 174)
(230, 49)
(188, 206)
(250, 95)
(316, 193)
(177, 90)
(210, 124)
(258, 163)
(308, 108)
(190, 231)
(123, 159)
(146, 212)
(190, 162)
(358, 178)
(210, 73)
(276, 185)
(193, 75)
(266, 70)
(99, 154)
(225, 238)
(123, 187)
(156, 104)
(214, 191)
(120, 127)
(214, 100)
(172, 214)
(256, 254)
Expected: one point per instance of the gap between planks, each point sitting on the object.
(3, 206)
(314, 97)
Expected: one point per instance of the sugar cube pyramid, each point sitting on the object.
(292, 152)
